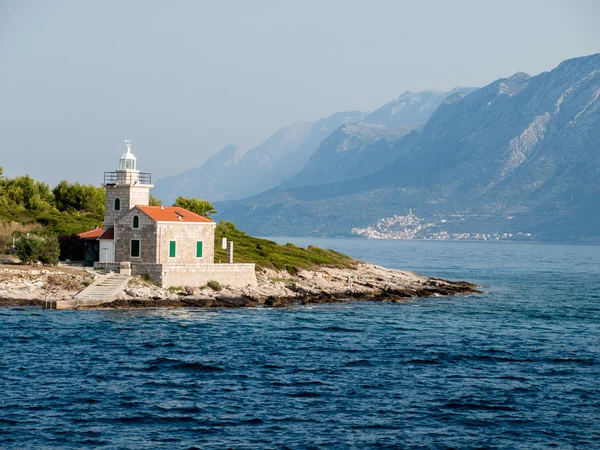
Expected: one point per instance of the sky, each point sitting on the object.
(184, 78)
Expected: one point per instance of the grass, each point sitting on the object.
(269, 254)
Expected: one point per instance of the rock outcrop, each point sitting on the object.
(21, 287)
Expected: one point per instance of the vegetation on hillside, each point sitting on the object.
(66, 209)
(269, 254)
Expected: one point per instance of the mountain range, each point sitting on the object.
(521, 154)
(232, 174)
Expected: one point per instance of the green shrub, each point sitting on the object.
(292, 270)
(32, 248)
(214, 285)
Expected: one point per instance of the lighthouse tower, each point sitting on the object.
(125, 188)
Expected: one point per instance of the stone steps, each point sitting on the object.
(103, 290)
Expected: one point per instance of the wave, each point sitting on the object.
(336, 329)
(149, 420)
(304, 394)
(358, 363)
(478, 407)
(175, 364)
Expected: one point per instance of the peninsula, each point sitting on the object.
(27, 286)
(145, 254)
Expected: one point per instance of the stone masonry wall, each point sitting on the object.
(186, 234)
(130, 195)
(108, 266)
(234, 275)
(139, 195)
(146, 233)
(153, 270)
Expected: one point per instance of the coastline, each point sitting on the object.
(22, 286)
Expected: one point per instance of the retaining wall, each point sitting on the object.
(234, 275)
(194, 275)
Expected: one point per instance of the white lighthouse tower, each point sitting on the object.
(125, 188)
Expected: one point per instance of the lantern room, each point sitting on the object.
(128, 161)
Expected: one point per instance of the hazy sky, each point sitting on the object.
(181, 79)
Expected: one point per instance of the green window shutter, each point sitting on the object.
(199, 249)
(136, 222)
(117, 204)
(135, 248)
(172, 249)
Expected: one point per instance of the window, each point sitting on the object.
(172, 249)
(135, 248)
(199, 249)
(136, 222)
(117, 204)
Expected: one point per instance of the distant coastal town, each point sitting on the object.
(412, 227)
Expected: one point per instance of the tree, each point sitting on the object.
(79, 197)
(154, 201)
(200, 207)
(33, 247)
(26, 193)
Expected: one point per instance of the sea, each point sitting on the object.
(516, 367)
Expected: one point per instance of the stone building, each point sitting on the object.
(172, 245)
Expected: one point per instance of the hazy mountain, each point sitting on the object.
(229, 175)
(361, 150)
(522, 153)
(411, 108)
(207, 176)
(351, 151)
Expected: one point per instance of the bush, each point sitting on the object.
(292, 270)
(146, 277)
(33, 247)
(10, 229)
(214, 285)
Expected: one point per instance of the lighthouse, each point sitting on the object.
(171, 245)
(125, 188)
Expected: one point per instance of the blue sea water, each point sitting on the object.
(516, 367)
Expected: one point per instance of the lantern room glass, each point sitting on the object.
(127, 164)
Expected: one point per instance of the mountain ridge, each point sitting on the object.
(521, 147)
(281, 156)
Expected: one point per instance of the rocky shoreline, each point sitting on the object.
(33, 287)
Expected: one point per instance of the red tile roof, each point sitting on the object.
(172, 214)
(92, 234)
(108, 234)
